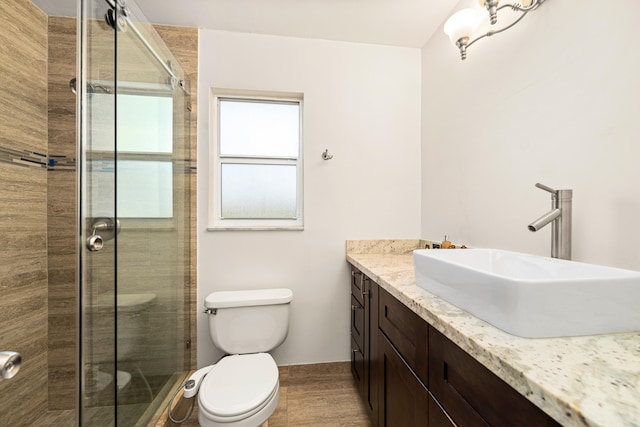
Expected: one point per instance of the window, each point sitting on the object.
(145, 147)
(144, 159)
(256, 161)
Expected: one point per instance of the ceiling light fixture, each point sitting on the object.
(460, 27)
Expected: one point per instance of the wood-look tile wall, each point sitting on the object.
(61, 190)
(183, 43)
(23, 210)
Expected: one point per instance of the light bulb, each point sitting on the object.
(461, 24)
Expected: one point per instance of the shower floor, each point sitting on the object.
(56, 418)
(97, 417)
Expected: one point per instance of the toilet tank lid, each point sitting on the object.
(226, 299)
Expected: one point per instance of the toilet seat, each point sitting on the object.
(238, 387)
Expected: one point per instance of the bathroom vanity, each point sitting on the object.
(420, 361)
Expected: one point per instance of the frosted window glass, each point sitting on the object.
(258, 191)
(259, 129)
(145, 123)
(101, 114)
(145, 189)
(100, 178)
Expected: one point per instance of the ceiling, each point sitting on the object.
(408, 23)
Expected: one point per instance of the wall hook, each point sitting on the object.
(326, 155)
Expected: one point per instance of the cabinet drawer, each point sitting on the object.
(357, 322)
(357, 365)
(357, 285)
(473, 395)
(406, 331)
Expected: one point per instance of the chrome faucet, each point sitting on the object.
(560, 216)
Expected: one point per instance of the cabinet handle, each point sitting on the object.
(363, 281)
(356, 273)
(363, 288)
(356, 350)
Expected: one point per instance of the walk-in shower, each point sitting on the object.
(96, 177)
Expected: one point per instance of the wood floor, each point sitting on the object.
(319, 395)
(313, 396)
(310, 396)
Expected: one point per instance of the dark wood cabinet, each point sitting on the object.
(409, 374)
(404, 399)
(364, 326)
(407, 331)
(357, 322)
(438, 417)
(473, 395)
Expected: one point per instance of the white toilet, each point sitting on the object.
(241, 390)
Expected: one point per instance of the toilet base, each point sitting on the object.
(258, 419)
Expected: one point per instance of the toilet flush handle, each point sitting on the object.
(192, 385)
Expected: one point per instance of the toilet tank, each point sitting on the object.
(248, 321)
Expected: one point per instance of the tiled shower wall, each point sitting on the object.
(183, 43)
(61, 216)
(23, 209)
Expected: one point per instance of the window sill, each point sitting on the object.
(257, 228)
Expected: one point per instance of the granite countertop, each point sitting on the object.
(579, 381)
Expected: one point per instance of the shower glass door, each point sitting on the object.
(135, 217)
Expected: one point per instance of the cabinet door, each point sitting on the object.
(437, 415)
(357, 285)
(357, 365)
(357, 322)
(407, 331)
(371, 345)
(403, 399)
(364, 326)
(474, 396)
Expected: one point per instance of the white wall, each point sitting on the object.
(554, 100)
(362, 102)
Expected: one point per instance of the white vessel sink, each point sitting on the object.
(532, 296)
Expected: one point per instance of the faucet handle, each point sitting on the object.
(545, 188)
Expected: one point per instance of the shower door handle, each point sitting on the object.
(108, 229)
(95, 243)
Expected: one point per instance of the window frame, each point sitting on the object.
(151, 90)
(215, 221)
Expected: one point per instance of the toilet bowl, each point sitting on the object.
(242, 389)
(132, 320)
